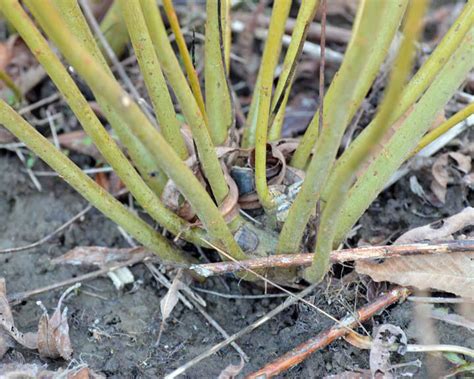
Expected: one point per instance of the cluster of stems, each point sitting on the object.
(153, 149)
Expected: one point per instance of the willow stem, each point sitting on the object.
(138, 123)
(415, 88)
(89, 189)
(145, 161)
(392, 12)
(271, 53)
(280, 98)
(192, 113)
(152, 75)
(184, 52)
(404, 138)
(265, 84)
(91, 124)
(401, 70)
(444, 127)
(371, 21)
(218, 97)
(114, 29)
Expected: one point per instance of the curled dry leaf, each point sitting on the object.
(441, 172)
(99, 256)
(439, 230)
(231, 371)
(386, 336)
(8, 330)
(169, 301)
(53, 332)
(451, 272)
(79, 142)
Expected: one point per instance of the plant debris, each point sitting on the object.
(51, 340)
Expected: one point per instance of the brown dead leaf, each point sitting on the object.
(8, 330)
(6, 52)
(169, 301)
(99, 256)
(453, 272)
(53, 332)
(79, 142)
(441, 172)
(386, 336)
(450, 272)
(19, 64)
(6, 136)
(231, 371)
(439, 230)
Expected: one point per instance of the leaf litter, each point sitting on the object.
(52, 338)
(450, 272)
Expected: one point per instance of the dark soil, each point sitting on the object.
(115, 332)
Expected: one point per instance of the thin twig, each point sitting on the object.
(221, 330)
(52, 127)
(304, 350)
(268, 281)
(311, 49)
(30, 173)
(337, 256)
(88, 171)
(236, 296)
(40, 103)
(186, 297)
(20, 296)
(49, 236)
(288, 302)
(440, 300)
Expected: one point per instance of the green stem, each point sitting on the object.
(152, 75)
(128, 110)
(91, 124)
(392, 12)
(444, 127)
(226, 6)
(406, 136)
(280, 98)
(271, 53)
(5, 78)
(114, 29)
(145, 162)
(197, 122)
(265, 84)
(337, 114)
(415, 88)
(401, 69)
(185, 56)
(89, 189)
(218, 98)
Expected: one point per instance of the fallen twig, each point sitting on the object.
(289, 301)
(333, 33)
(49, 236)
(338, 256)
(304, 350)
(20, 296)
